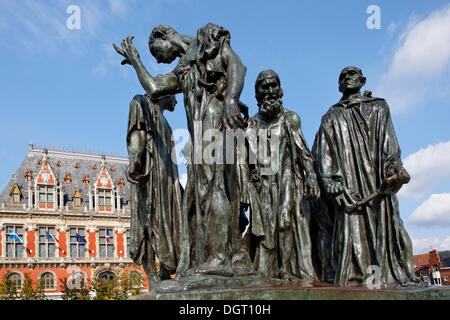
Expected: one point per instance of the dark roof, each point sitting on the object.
(445, 258)
(68, 161)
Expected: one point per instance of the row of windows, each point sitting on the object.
(49, 280)
(46, 195)
(48, 243)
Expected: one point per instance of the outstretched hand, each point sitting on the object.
(128, 51)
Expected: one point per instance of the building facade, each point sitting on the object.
(65, 215)
(430, 267)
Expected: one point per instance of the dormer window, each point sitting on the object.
(121, 183)
(67, 179)
(76, 198)
(45, 186)
(104, 200)
(46, 197)
(15, 195)
(85, 180)
(28, 176)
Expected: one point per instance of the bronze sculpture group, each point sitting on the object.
(325, 214)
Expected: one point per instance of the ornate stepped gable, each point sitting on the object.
(67, 171)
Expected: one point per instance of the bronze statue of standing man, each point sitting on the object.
(358, 159)
(284, 250)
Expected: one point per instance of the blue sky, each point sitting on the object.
(66, 88)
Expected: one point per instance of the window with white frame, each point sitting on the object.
(104, 198)
(14, 241)
(77, 248)
(47, 245)
(46, 194)
(106, 242)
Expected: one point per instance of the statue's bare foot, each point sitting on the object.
(216, 267)
(242, 265)
(288, 277)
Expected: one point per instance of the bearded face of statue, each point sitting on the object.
(269, 96)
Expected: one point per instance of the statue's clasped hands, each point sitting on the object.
(312, 190)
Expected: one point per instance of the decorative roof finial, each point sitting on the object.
(45, 158)
(103, 164)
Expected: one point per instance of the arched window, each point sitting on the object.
(48, 280)
(106, 275)
(16, 280)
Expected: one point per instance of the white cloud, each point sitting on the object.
(41, 25)
(422, 59)
(427, 244)
(434, 211)
(118, 7)
(445, 245)
(427, 167)
(183, 180)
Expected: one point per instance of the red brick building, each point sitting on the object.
(66, 215)
(430, 267)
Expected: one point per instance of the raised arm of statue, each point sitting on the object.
(154, 86)
(235, 83)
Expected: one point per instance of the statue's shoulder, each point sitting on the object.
(255, 120)
(377, 104)
(293, 119)
(331, 113)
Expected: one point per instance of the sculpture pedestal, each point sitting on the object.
(255, 288)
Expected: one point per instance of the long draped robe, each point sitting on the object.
(156, 200)
(211, 240)
(282, 251)
(356, 145)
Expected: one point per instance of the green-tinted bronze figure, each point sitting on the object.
(156, 192)
(211, 77)
(283, 250)
(358, 160)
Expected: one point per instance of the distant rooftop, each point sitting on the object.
(62, 150)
